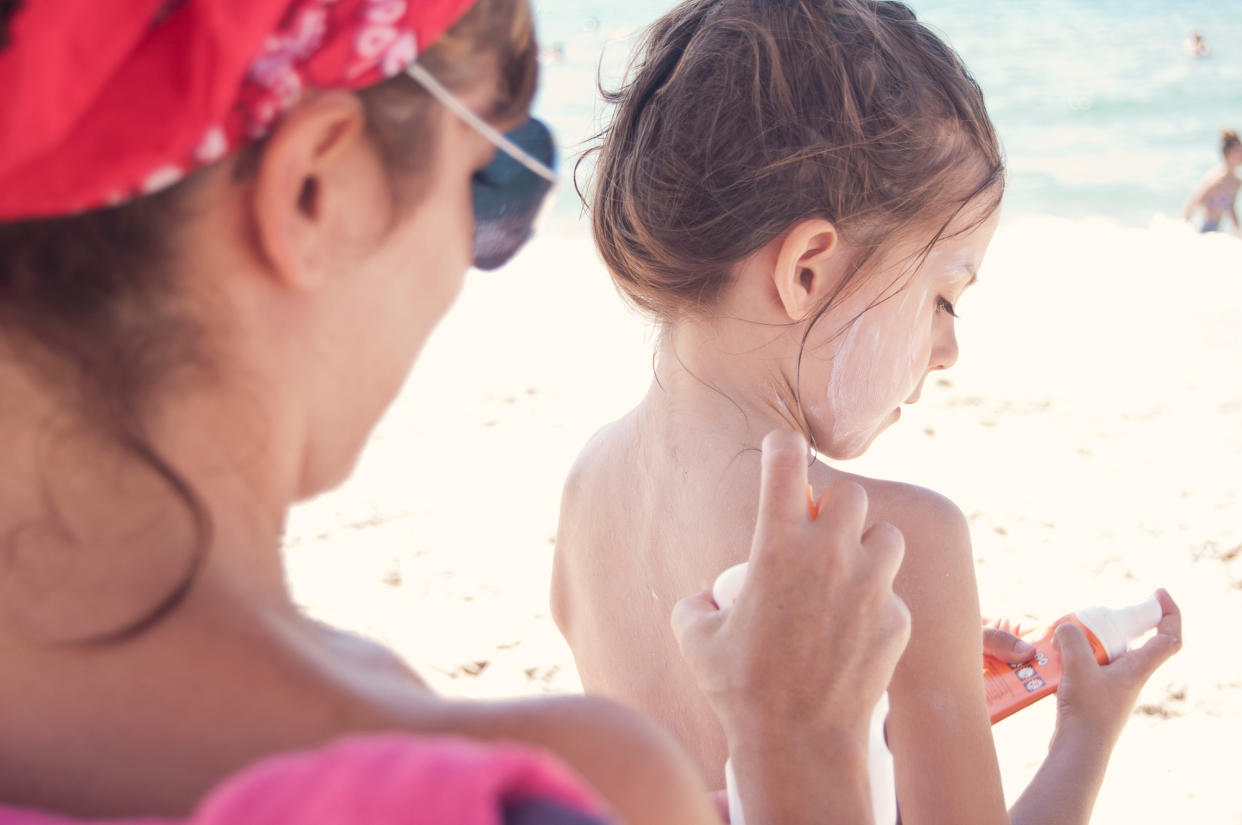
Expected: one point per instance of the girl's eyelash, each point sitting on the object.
(943, 303)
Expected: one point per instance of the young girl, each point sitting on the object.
(226, 231)
(1216, 195)
(800, 193)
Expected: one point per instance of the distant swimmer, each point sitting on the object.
(1217, 193)
(1196, 46)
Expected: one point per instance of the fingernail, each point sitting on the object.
(1022, 648)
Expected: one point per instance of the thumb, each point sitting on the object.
(693, 617)
(1005, 646)
(1152, 654)
(1072, 645)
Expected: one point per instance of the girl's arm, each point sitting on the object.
(1093, 704)
(938, 727)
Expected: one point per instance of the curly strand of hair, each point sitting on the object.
(203, 533)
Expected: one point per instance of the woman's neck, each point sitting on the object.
(104, 531)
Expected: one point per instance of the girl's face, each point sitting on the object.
(872, 351)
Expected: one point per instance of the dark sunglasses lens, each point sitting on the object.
(507, 197)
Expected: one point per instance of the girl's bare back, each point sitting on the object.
(648, 515)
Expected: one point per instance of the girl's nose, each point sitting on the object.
(944, 352)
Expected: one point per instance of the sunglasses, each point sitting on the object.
(509, 191)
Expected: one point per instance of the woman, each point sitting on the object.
(1216, 195)
(214, 218)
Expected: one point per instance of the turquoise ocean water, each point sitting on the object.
(1100, 111)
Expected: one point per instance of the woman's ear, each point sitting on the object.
(312, 185)
(808, 264)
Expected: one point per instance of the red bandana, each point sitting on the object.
(107, 100)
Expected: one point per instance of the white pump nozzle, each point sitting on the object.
(1117, 628)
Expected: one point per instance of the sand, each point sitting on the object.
(1092, 433)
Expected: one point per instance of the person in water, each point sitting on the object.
(1195, 46)
(1216, 196)
(800, 195)
(226, 231)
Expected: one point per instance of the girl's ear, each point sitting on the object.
(808, 266)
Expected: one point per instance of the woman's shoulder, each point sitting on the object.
(634, 765)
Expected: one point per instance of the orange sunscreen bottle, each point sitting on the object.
(1010, 688)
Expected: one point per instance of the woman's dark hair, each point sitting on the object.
(742, 117)
(1228, 140)
(89, 303)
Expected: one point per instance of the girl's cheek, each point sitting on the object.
(917, 335)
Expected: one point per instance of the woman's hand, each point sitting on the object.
(1097, 700)
(794, 668)
(817, 630)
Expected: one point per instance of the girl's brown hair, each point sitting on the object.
(742, 117)
(1228, 140)
(91, 302)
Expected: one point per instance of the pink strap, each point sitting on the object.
(377, 780)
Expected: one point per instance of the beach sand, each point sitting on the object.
(1092, 434)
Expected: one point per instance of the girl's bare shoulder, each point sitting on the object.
(923, 515)
(937, 576)
(602, 463)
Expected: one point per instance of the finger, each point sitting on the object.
(1075, 652)
(843, 509)
(783, 480)
(1170, 617)
(885, 547)
(1145, 659)
(694, 616)
(1006, 646)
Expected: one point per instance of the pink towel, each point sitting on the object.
(387, 780)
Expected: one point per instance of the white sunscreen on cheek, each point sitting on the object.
(877, 362)
(879, 759)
